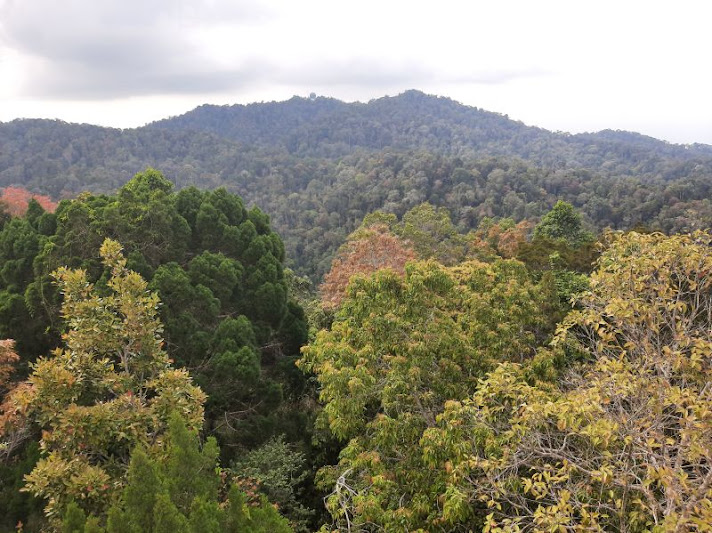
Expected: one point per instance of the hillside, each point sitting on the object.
(53, 157)
(325, 127)
(318, 165)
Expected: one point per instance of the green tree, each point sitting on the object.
(179, 492)
(143, 215)
(19, 245)
(429, 230)
(74, 519)
(280, 472)
(398, 350)
(565, 223)
(210, 260)
(4, 214)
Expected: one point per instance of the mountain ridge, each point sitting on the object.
(212, 118)
(186, 119)
(59, 158)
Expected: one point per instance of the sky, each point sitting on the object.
(574, 65)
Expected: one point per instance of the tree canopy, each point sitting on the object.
(563, 222)
(317, 167)
(473, 364)
(225, 316)
(397, 351)
(622, 443)
(215, 264)
(109, 389)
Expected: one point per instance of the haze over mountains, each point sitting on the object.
(318, 165)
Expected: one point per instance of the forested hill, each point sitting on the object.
(325, 127)
(63, 159)
(317, 166)
(210, 144)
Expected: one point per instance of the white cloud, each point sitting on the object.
(558, 64)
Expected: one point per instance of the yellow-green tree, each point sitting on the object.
(625, 442)
(431, 233)
(110, 389)
(398, 350)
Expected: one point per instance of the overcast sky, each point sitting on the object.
(571, 65)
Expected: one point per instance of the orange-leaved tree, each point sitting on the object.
(498, 238)
(17, 199)
(368, 250)
(11, 433)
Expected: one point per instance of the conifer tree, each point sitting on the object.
(178, 492)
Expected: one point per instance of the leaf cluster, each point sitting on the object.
(622, 442)
(398, 350)
(108, 390)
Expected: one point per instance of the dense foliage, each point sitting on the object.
(455, 416)
(216, 266)
(398, 349)
(317, 167)
(185, 492)
(621, 443)
(111, 395)
(226, 316)
(109, 390)
(441, 390)
(477, 358)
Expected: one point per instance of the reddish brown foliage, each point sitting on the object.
(501, 241)
(12, 420)
(17, 198)
(369, 250)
